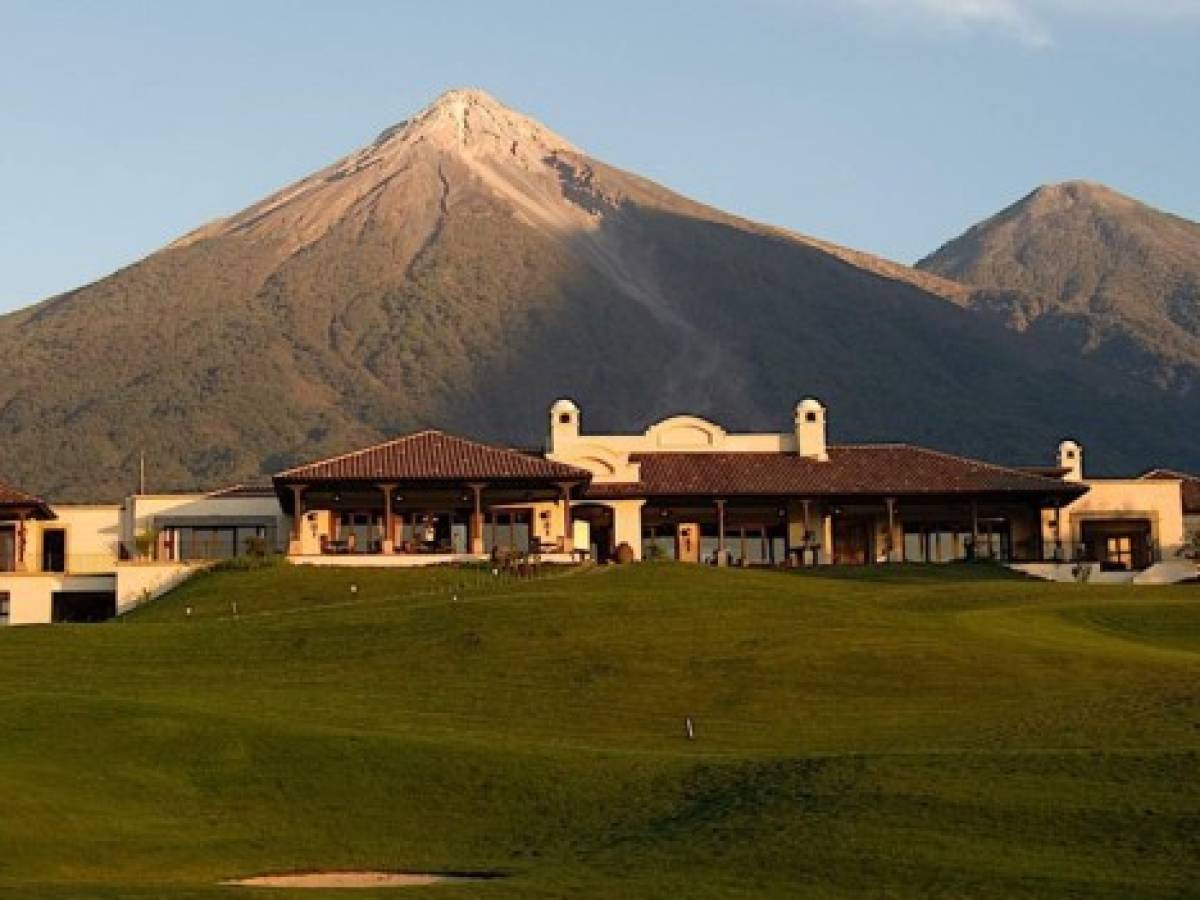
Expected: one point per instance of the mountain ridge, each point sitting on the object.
(467, 267)
(1083, 259)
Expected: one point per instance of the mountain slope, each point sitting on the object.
(468, 267)
(1119, 278)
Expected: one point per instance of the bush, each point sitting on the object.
(146, 542)
(256, 546)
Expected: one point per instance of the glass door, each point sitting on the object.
(8, 549)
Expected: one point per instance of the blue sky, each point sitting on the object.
(886, 125)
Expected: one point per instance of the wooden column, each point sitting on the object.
(1058, 537)
(809, 534)
(475, 542)
(294, 545)
(891, 528)
(721, 532)
(388, 544)
(21, 542)
(568, 537)
(974, 530)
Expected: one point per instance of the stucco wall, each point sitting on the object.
(31, 595)
(606, 456)
(138, 582)
(1114, 499)
(143, 511)
(93, 536)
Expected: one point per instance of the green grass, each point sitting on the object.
(906, 732)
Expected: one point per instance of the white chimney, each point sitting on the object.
(1070, 457)
(810, 430)
(564, 424)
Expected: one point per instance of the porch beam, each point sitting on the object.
(476, 525)
(1058, 538)
(809, 534)
(297, 510)
(974, 529)
(388, 544)
(720, 531)
(568, 536)
(891, 528)
(22, 541)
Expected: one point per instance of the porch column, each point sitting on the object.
(808, 529)
(21, 541)
(295, 545)
(475, 543)
(891, 529)
(825, 553)
(720, 532)
(1058, 537)
(388, 544)
(974, 530)
(568, 536)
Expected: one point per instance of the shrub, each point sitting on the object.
(146, 542)
(256, 546)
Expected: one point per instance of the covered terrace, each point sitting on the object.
(17, 509)
(428, 498)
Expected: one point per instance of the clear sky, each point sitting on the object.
(886, 125)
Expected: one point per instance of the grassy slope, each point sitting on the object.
(911, 733)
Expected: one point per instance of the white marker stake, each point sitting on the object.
(689, 728)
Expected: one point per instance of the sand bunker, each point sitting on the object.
(328, 880)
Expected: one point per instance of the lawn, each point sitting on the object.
(906, 732)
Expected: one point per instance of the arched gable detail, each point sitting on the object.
(686, 433)
(604, 463)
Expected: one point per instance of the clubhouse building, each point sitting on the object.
(683, 489)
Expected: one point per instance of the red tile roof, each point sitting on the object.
(12, 499)
(878, 469)
(250, 489)
(1191, 488)
(434, 456)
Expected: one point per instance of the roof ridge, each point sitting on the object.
(359, 452)
(17, 492)
(1007, 470)
(436, 443)
(1170, 473)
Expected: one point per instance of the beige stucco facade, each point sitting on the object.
(1120, 500)
(161, 513)
(99, 556)
(1134, 524)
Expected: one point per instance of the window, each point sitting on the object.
(54, 550)
(810, 417)
(935, 542)
(508, 531)
(1120, 551)
(206, 543)
(8, 549)
(564, 418)
(5, 607)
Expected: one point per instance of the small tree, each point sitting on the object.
(1192, 547)
(146, 542)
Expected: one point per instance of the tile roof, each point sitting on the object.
(434, 456)
(11, 498)
(877, 469)
(1191, 487)
(251, 489)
